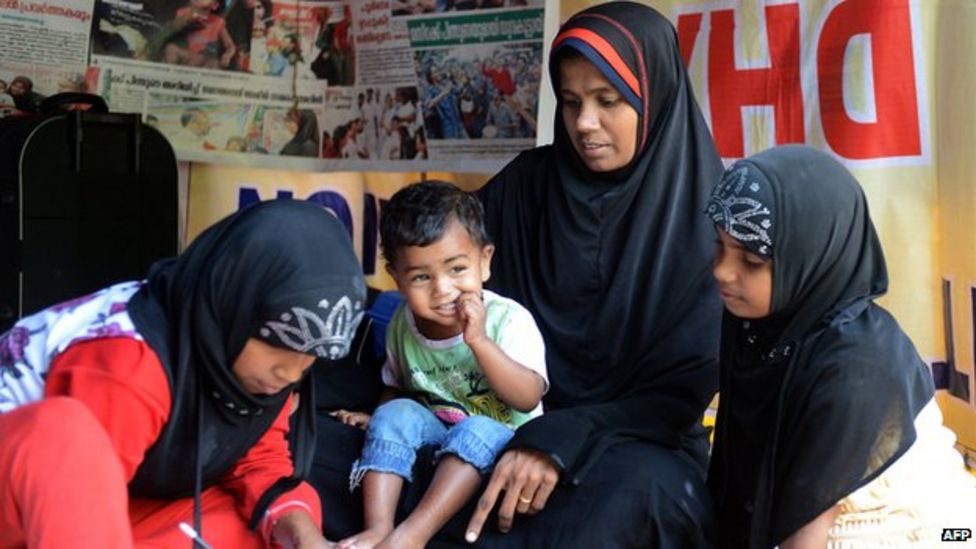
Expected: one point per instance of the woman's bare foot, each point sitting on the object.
(367, 539)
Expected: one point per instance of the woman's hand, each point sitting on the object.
(353, 419)
(527, 477)
(296, 530)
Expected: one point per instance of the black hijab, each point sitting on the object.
(282, 271)
(615, 266)
(305, 142)
(821, 396)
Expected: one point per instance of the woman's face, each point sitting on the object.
(601, 123)
(745, 280)
(263, 369)
(17, 87)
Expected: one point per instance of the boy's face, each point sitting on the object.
(433, 277)
(745, 280)
(263, 369)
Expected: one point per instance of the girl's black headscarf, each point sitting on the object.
(281, 271)
(820, 397)
(305, 142)
(615, 267)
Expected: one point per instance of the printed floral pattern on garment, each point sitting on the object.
(737, 207)
(27, 349)
(12, 345)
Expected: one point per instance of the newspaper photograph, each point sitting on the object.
(380, 85)
(45, 51)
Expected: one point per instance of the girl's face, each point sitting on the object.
(601, 123)
(263, 369)
(745, 280)
(291, 124)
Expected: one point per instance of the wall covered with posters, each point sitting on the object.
(326, 85)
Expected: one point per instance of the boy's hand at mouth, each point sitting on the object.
(471, 310)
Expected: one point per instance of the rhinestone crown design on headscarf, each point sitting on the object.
(305, 331)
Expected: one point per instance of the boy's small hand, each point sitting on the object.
(471, 310)
(353, 419)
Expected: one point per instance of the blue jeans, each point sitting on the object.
(401, 426)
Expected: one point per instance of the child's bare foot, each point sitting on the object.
(367, 539)
(402, 538)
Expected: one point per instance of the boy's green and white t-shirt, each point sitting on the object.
(444, 375)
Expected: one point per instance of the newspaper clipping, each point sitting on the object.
(387, 85)
(45, 51)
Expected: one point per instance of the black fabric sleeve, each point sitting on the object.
(815, 480)
(574, 437)
(845, 398)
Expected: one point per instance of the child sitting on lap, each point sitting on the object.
(470, 363)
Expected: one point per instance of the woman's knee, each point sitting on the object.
(37, 437)
(63, 419)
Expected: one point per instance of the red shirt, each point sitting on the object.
(123, 383)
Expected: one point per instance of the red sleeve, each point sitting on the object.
(265, 463)
(123, 383)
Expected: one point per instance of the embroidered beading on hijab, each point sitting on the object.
(325, 330)
(837, 407)
(742, 206)
(283, 271)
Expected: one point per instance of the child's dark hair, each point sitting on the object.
(418, 214)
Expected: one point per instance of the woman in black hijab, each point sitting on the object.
(197, 377)
(600, 236)
(305, 141)
(827, 428)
